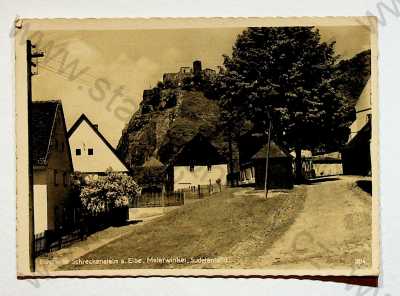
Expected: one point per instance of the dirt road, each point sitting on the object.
(333, 230)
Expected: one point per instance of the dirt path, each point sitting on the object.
(333, 230)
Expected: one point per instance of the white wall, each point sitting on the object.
(184, 178)
(328, 169)
(40, 200)
(84, 138)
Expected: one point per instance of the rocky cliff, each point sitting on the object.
(165, 121)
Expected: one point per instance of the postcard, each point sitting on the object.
(197, 147)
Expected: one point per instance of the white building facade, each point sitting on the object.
(91, 153)
(189, 176)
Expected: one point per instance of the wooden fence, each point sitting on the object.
(47, 241)
(158, 199)
(201, 191)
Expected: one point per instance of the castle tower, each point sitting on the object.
(197, 68)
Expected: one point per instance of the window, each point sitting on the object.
(209, 167)
(55, 177)
(191, 168)
(62, 147)
(90, 151)
(78, 151)
(55, 144)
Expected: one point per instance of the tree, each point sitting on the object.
(285, 74)
(112, 191)
(352, 75)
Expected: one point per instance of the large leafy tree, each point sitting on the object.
(286, 75)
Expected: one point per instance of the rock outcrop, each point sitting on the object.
(166, 120)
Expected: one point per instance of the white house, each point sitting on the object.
(52, 166)
(92, 154)
(197, 163)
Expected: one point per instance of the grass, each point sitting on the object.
(236, 227)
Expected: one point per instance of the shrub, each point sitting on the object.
(112, 191)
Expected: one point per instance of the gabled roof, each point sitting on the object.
(198, 151)
(43, 115)
(274, 152)
(82, 118)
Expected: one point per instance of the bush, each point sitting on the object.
(113, 191)
(149, 177)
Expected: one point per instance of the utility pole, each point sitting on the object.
(268, 145)
(230, 148)
(29, 62)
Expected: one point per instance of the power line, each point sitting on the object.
(62, 63)
(66, 77)
(58, 71)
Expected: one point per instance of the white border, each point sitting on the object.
(389, 121)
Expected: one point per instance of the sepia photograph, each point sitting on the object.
(197, 147)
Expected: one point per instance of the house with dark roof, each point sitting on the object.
(280, 170)
(92, 154)
(197, 163)
(356, 154)
(52, 165)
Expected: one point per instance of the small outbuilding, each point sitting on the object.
(280, 170)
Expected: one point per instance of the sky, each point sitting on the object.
(118, 65)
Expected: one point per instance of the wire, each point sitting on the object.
(88, 81)
(66, 77)
(62, 63)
